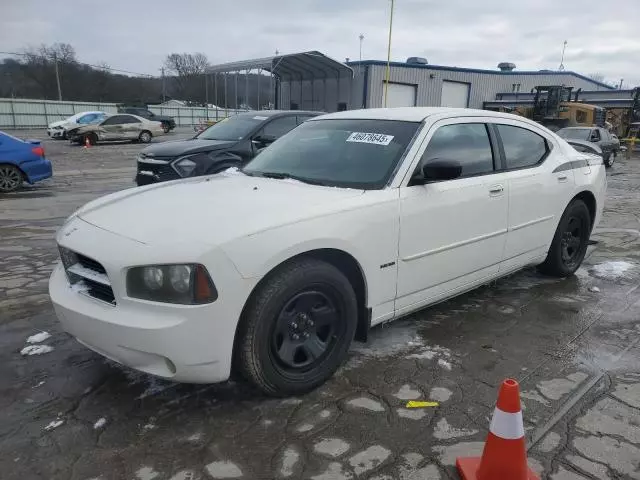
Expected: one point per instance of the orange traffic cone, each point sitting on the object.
(87, 143)
(505, 454)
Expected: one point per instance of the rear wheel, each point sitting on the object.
(608, 159)
(10, 178)
(297, 328)
(570, 241)
(144, 137)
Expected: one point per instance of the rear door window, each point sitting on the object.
(522, 147)
(466, 143)
(280, 126)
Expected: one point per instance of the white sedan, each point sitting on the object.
(352, 219)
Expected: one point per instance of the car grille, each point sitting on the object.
(160, 168)
(87, 276)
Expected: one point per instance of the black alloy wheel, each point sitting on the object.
(10, 178)
(570, 242)
(306, 330)
(296, 328)
(165, 127)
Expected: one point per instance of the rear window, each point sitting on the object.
(575, 133)
(341, 153)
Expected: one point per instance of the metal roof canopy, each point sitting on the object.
(295, 66)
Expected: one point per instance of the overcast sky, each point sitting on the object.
(603, 37)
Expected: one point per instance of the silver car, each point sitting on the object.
(117, 128)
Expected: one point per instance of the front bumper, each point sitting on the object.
(187, 343)
(56, 132)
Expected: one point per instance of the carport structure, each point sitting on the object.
(297, 81)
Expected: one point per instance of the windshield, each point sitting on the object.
(576, 133)
(341, 153)
(232, 128)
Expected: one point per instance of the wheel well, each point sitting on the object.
(350, 268)
(590, 201)
(24, 175)
(146, 131)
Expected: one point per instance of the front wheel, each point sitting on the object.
(297, 328)
(165, 127)
(144, 137)
(608, 160)
(570, 241)
(10, 178)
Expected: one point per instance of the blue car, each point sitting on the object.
(21, 160)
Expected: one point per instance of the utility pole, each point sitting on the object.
(55, 62)
(206, 94)
(386, 84)
(564, 46)
(361, 37)
(164, 89)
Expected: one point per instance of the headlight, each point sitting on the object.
(186, 284)
(185, 167)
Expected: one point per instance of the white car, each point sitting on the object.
(59, 129)
(351, 219)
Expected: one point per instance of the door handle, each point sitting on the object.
(496, 190)
(562, 178)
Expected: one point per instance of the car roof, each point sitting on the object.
(274, 113)
(416, 114)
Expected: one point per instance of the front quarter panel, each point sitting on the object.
(367, 229)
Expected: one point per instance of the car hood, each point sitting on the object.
(211, 210)
(60, 123)
(182, 147)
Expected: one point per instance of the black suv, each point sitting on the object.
(232, 142)
(168, 123)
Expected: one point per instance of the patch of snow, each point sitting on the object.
(54, 424)
(36, 350)
(146, 473)
(148, 426)
(38, 337)
(429, 353)
(613, 269)
(388, 341)
(440, 394)
(594, 289)
(444, 364)
(444, 431)
(223, 469)
(100, 423)
(39, 384)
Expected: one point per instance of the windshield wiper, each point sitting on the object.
(287, 176)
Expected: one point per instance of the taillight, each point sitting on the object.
(38, 151)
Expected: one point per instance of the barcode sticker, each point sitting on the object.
(375, 138)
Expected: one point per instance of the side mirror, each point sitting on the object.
(437, 169)
(263, 140)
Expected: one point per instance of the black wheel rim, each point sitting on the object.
(572, 242)
(306, 330)
(9, 178)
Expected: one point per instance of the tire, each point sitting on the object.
(570, 241)
(296, 328)
(166, 128)
(608, 160)
(144, 137)
(10, 178)
(64, 135)
(93, 139)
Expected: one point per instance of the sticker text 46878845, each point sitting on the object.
(375, 138)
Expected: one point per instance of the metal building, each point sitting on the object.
(313, 81)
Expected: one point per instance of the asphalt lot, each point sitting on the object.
(573, 344)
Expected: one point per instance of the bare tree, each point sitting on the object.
(186, 68)
(40, 63)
